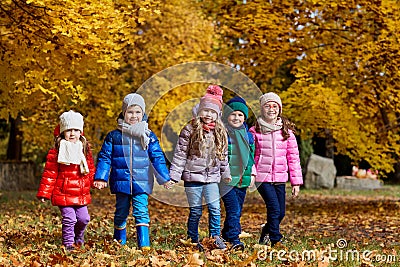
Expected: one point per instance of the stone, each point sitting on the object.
(354, 183)
(320, 173)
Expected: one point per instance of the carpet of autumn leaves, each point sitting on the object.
(30, 232)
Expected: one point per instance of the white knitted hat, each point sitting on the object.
(271, 97)
(71, 120)
(133, 99)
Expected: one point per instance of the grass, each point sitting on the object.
(314, 225)
(392, 191)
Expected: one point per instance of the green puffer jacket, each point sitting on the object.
(241, 176)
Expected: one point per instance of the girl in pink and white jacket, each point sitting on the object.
(276, 158)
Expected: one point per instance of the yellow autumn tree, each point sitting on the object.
(333, 63)
(349, 77)
(342, 55)
(61, 55)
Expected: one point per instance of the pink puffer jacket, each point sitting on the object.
(276, 158)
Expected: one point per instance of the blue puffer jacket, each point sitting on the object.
(116, 155)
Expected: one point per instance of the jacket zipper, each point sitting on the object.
(273, 157)
(131, 164)
(208, 159)
(242, 170)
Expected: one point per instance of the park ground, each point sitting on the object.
(322, 228)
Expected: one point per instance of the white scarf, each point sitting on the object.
(72, 153)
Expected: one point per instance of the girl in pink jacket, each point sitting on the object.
(276, 158)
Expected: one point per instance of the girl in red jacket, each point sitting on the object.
(68, 177)
(276, 158)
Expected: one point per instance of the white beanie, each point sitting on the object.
(133, 99)
(271, 97)
(71, 120)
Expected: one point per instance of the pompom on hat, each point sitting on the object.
(71, 120)
(271, 97)
(212, 99)
(236, 104)
(133, 99)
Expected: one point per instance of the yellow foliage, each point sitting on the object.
(86, 56)
(344, 73)
(334, 63)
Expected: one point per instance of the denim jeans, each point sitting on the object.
(74, 222)
(195, 195)
(140, 209)
(274, 198)
(233, 198)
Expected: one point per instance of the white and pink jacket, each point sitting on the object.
(276, 158)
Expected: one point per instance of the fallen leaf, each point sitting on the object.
(187, 242)
(245, 235)
(194, 260)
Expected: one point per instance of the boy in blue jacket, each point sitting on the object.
(129, 157)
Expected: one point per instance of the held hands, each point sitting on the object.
(99, 184)
(227, 180)
(169, 184)
(295, 191)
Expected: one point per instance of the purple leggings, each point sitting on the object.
(74, 222)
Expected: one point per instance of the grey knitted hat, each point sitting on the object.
(133, 99)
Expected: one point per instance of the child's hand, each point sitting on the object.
(252, 181)
(227, 179)
(99, 184)
(295, 191)
(252, 186)
(169, 184)
(42, 199)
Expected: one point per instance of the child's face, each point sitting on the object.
(208, 115)
(72, 135)
(133, 115)
(270, 111)
(236, 119)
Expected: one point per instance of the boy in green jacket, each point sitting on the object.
(241, 160)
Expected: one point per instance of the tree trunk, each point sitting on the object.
(396, 174)
(329, 144)
(14, 148)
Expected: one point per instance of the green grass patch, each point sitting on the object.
(385, 191)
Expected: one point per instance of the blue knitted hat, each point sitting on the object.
(236, 104)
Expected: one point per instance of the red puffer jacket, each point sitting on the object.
(64, 184)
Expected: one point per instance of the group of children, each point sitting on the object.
(216, 155)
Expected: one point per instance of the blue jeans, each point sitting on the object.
(195, 195)
(274, 198)
(140, 209)
(233, 198)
